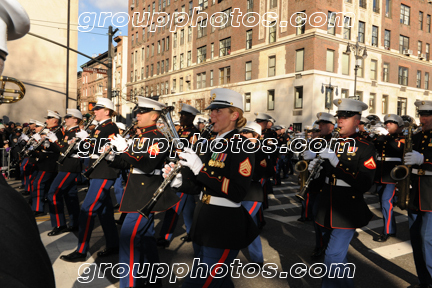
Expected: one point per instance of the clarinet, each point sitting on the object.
(64, 155)
(29, 143)
(87, 173)
(27, 152)
(146, 210)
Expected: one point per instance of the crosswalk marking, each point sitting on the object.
(379, 223)
(294, 205)
(394, 250)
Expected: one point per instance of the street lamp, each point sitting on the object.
(115, 93)
(360, 54)
(328, 92)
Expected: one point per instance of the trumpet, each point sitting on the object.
(87, 173)
(8, 99)
(301, 167)
(146, 210)
(27, 152)
(29, 143)
(302, 194)
(64, 155)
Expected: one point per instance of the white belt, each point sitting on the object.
(389, 159)
(218, 201)
(138, 171)
(94, 156)
(75, 156)
(421, 172)
(339, 182)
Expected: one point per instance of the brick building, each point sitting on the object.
(283, 70)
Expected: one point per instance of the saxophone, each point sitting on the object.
(302, 166)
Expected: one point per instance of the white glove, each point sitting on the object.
(312, 164)
(82, 134)
(318, 172)
(37, 137)
(110, 157)
(46, 144)
(52, 137)
(192, 160)
(381, 131)
(23, 137)
(177, 181)
(331, 156)
(308, 155)
(413, 158)
(120, 143)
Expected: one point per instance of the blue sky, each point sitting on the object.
(92, 42)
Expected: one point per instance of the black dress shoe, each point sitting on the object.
(162, 242)
(108, 251)
(58, 230)
(74, 257)
(301, 219)
(384, 237)
(72, 228)
(318, 252)
(37, 214)
(186, 238)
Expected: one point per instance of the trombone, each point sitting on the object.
(8, 99)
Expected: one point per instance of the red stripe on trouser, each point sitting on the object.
(38, 191)
(55, 198)
(131, 250)
(253, 208)
(307, 205)
(212, 273)
(174, 217)
(25, 181)
(389, 213)
(90, 214)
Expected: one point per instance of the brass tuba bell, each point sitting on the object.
(7, 95)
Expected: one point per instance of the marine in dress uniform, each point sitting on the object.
(46, 156)
(390, 150)
(64, 185)
(420, 218)
(221, 226)
(118, 184)
(98, 200)
(137, 241)
(187, 202)
(27, 167)
(347, 174)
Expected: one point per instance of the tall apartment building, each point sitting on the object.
(283, 70)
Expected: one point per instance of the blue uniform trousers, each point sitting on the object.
(420, 225)
(255, 248)
(118, 188)
(41, 184)
(281, 165)
(97, 202)
(29, 173)
(203, 272)
(187, 205)
(64, 186)
(336, 254)
(137, 246)
(387, 195)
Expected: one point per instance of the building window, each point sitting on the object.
(272, 32)
(328, 104)
(152, 50)
(167, 44)
(372, 97)
(419, 48)
(270, 99)
(174, 85)
(190, 8)
(388, 9)
(212, 51)
(147, 71)
(361, 32)
(167, 65)
(387, 39)
(211, 78)
(201, 54)
(428, 23)
(157, 89)
(203, 4)
(166, 87)
(298, 97)
(225, 47)
(401, 106)
(162, 66)
(227, 18)
(249, 6)
(182, 37)
(376, 6)
(201, 80)
(405, 14)
(418, 83)
(157, 68)
(427, 51)
(299, 65)
(345, 64)
(189, 58)
(386, 69)
(247, 102)
(248, 70)
(420, 20)
(360, 62)
(272, 66)
(175, 63)
(375, 36)
(249, 39)
(202, 28)
(189, 34)
(362, 4)
(181, 84)
(181, 61)
(359, 96)
(384, 104)
(347, 28)
(300, 23)
(403, 76)
(224, 75)
(373, 69)
(330, 61)
(175, 40)
(426, 81)
(273, 4)
(403, 43)
(344, 93)
(331, 23)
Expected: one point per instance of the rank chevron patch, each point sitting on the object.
(370, 164)
(245, 168)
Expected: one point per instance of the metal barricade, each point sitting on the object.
(5, 162)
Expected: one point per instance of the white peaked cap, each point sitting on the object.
(189, 109)
(324, 116)
(349, 106)
(14, 23)
(394, 118)
(223, 97)
(74, 113)
(104, 103)
(121, 126)
(53, 114)
(424, 105)
(253, 126)
(262, 116)
(144, 102)
(38, 123)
